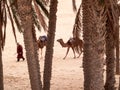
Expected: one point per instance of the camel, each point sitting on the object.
(42, 41)
(75, 43)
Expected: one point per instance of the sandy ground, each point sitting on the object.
(66, 74)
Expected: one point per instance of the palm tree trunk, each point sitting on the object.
(1, 64)
(110, 47)
(110, 60)
(1, 70)
(119, 84)
(93, 30)
(117, 49)
(25, 12)
(50, 44)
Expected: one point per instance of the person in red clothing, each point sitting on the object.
(19, 52)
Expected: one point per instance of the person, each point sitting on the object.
(70, 41)
(19, 52)
(43, 38)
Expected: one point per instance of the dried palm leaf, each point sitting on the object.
(3, 23)
(13, 2)
(2, 11)
(113, 14)
(98, 11)
(78, 24)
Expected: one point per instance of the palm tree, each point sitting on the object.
(111, 39)
(50, 44)
(110, 60)
(94, 20)
(26, 17)
(38, 17)
(1, 64)
(117, 38)
(3, 22)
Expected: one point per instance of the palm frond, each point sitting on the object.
(2, 12)
(113, 14)
(13, 3)
(3, 23)
(78, 24)
(36, 22)
(119, 9)
(40, 16)
(13, 7)
(74, 5)
(43, 8)
(11, 19)
(46, 2)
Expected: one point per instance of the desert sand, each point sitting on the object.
(66, 74)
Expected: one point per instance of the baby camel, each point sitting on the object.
(75, 43)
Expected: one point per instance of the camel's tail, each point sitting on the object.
(79, 48)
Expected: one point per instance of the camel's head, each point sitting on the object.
(59, 40)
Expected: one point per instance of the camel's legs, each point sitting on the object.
(74, 52)
(80, 52)
(67, 52)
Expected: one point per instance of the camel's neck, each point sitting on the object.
(62, 43)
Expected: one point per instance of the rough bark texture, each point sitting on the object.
(117, 52)
(50, 45)
(25, 12)
(117, 48)
(1, 72)
(94, 40)
(110, 60)
(1, 64)
(111, 29)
